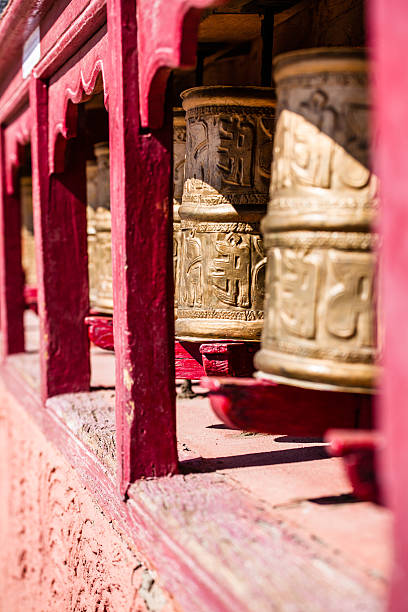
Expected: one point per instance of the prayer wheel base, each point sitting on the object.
(211, 330)
(317, 374)
(261, 406)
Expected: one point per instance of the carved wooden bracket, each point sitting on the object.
(16, 135)
(85, 74)
(167, 39)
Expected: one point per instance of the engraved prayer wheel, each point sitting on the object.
(103, 273)
(320, 309)
(92, 203)
(227, 173)
(27, 231)
(179, 154)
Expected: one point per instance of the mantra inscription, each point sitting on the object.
(227, 174)
(320, 310)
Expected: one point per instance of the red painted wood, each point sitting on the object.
(388, 38)
(100, 331)
(188, 360)
(141, 178)
(167, 39)
(31, 298)
(59, 205)
(359, 450)
(192, 359)
(228, 358)
(16, 134)
(11, 270)
(69, 86)
(261, 406)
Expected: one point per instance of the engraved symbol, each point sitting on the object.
(258, 275)
(349, 307)
(235, 163)
(264, 153)
(312, 154)
(198, 145)
(193, 271)
(230, 275)
(317, 111)
(299, 283)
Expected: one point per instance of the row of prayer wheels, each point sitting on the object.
(298, 226)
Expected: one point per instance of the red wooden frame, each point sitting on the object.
(138, 68)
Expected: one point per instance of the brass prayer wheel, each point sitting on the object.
(103, 272)
(92, 203)
(179, 154)
(227, 173)
(320, 307)
(27, 231)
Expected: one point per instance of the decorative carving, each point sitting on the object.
(222, 264)
(79, 78)
(320, 328)
(61, 550)
(166, 39)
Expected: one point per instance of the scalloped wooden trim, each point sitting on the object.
(72, 84)
(16, 135)
(167, 39)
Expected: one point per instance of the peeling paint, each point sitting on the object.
(151, 593)
(127, 379)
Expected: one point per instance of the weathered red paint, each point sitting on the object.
(388, 37)
(69, 86)
(59, 207)
(261, 406)
(13, 137)
(141, 178)
(11, 271)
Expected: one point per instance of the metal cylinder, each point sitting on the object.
(227, 172)
(103, 273)
(92, 203)
(27, 231)
(179, 154)
(320, 310)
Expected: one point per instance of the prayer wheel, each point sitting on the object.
(92, 203)
(320, 306)
(179, 154)
(103, 273)
(27, 231)
(227, 173)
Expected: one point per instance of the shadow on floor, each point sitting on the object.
(290, 455)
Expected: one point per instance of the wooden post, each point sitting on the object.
(142, 267)
(11, 271)
(59, 205)
(388, 33)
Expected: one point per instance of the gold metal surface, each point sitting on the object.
(27, 231)
(227, 174)
(320, 311)
(92, 203)
(179, 155)
(103, 272)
